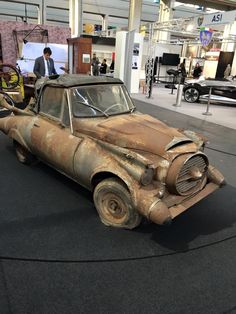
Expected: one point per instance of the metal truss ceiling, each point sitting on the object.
(57, 11)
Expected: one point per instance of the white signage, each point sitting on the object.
(215, 19)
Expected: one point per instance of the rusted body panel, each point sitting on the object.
(162, 168)
(137, 131)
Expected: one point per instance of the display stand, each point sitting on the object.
(128, 59)
(173, 86)
(79, 50)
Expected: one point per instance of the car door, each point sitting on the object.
(51, 136)
(227, 91)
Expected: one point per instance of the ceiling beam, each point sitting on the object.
(225, 5)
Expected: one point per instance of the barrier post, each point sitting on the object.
(179, 95)
(173, 85)
(207, 113)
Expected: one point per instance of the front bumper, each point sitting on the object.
(159, 212)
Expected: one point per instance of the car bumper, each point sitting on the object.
(159, 212)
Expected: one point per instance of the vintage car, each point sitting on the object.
(222, 91)
(136, 166)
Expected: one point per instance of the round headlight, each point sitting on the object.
(147, 176)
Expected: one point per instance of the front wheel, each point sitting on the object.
(114, 205)
(191, 94)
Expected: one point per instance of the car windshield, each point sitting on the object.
(100, 100)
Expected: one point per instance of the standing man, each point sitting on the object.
(95, 65)
(44, 65)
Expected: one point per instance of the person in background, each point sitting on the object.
(44, 65)
(95, 65)
(197, 71)
(183, 71)
(227, 71)
(103, 67)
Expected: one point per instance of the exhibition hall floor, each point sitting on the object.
(220, 114)
(57, 257)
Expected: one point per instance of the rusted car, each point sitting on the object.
(136, 166)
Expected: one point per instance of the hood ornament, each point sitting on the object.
(195, 173)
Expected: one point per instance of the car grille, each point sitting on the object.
(184, 181)
(187, 174)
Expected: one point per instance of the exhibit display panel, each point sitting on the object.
(32, 50)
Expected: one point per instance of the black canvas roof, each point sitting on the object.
(70, 80)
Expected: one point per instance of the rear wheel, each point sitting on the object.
(23, 155)
(114, 205)
(191, 94)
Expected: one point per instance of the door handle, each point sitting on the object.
(37, 125)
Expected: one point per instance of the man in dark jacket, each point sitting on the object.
(44, 65)
(103, 67)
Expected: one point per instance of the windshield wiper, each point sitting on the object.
(132, 109)
(93, 107)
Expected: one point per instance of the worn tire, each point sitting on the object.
(114, 205)
(23, 155)
(191, 95)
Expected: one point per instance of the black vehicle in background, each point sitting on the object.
(223, 91)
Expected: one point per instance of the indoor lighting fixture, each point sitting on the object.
(44, 32)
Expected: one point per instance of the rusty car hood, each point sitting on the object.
(135, 131)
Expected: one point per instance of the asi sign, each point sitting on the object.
(216, 19)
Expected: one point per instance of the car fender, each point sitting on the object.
(101, 173)
(93, 161)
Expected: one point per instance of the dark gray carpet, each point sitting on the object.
(47, 216)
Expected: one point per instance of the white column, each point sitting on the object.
(135, 10)
(125, 42)
(230, 29)
(42, 13)
(104, 22)
(165, 14)
(39, 15)
(75, 17)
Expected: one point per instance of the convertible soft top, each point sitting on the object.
(70, 80)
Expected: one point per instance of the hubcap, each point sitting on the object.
(113, 207)
(191, 95)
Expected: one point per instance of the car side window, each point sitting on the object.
(52, 101)
(65, 113)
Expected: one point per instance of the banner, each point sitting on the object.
(205, 37)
